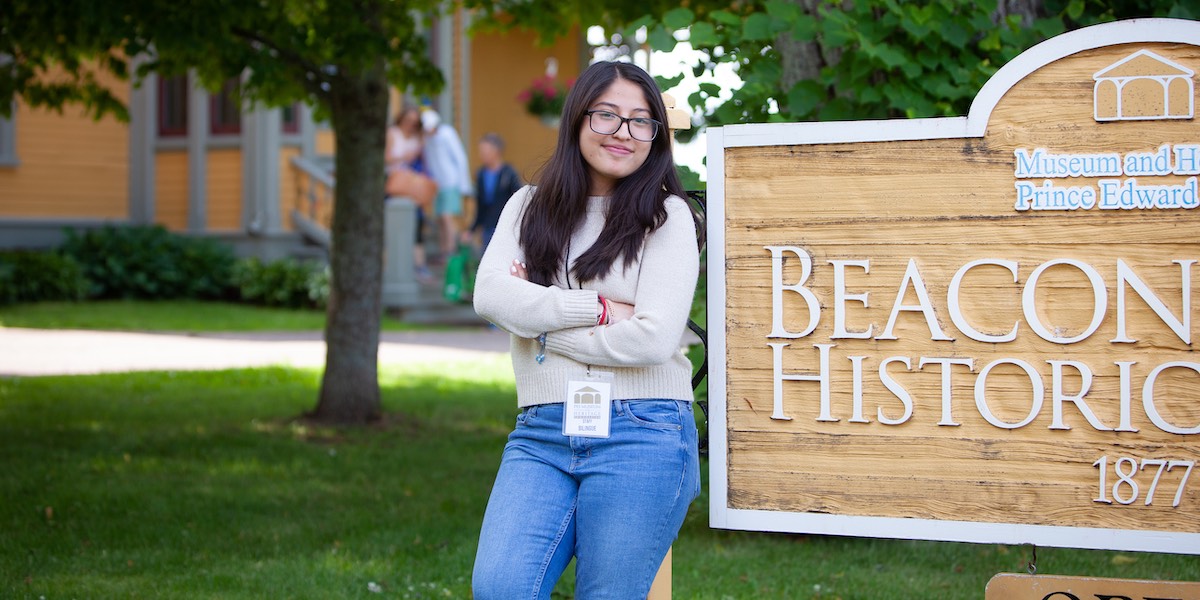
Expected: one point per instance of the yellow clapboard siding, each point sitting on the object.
(171, 189)
(70, 166)
(224, 181)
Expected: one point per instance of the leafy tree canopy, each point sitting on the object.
(289, 50)
(803, 60)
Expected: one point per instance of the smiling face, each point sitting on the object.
(615, 156)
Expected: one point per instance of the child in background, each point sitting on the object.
(495, 182)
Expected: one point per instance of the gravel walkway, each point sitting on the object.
(71, 352)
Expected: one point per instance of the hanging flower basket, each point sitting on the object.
(544, 99)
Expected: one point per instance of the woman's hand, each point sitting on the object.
(518, 270)
(618, 311)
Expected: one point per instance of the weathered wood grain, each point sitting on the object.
(943, 204)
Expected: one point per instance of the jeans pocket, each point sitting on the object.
(654, 414)
(525, 415)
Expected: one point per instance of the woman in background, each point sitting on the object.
(405, 172)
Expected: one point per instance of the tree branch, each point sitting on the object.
(314, 75)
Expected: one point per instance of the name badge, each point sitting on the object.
(587, 409)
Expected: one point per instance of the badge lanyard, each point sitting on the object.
(587, 407)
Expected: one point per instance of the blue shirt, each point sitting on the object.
(490, 178)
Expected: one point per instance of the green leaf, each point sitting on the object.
(890, 56)
(839, 109)
(731, 112)
(678, 18)
(782, 10)
(725, 17)
(665, 83)
(956, 34)
(661, 39)
(990, 42)
(804, 27)
(915, 29)
(804, 97)
(757, 28)
(1075, 9)
(703, 34)
(710, 89)
(631, 29)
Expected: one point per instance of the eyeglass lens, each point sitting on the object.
(607, 123)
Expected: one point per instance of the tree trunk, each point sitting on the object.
(1028, 10)
(350, 386)
(800, 60)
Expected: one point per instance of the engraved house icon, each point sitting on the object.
(1144, 86)
(587, 395)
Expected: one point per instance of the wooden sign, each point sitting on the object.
(973, 329)
(1015, 586)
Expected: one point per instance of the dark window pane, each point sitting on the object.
(290, 120)
(172, 106)
(225, 111)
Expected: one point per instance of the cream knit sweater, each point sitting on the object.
(642, 352)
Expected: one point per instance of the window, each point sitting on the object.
(173, 106)
(225, 109)
(290, 118)
(8, 140)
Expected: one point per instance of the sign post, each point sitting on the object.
(969, 329)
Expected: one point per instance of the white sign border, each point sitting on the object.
(974, 125)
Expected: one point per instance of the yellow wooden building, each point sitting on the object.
(196, 162)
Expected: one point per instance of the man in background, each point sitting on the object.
(495, 182)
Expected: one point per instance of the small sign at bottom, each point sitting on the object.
(1017, 586)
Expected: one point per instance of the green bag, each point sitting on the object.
(460, 275)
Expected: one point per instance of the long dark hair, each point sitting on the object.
(636, 205)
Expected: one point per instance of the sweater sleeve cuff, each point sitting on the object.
(579, 308)
(562, 342)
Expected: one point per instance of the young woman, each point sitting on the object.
(406, 175)
(592, 272)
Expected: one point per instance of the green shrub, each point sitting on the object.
(285, 282)
(27, 276)
(152, 263)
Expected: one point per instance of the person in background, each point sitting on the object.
(403, 150)
(446, 161)
(495, 182)
(404, 140)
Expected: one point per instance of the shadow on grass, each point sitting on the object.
(202, 485)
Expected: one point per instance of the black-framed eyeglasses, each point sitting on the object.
(603, 122)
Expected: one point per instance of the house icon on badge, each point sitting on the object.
(587, 395)
(1142, 87)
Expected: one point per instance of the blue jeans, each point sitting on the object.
(616, 504)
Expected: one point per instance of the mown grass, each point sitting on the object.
(170, 315)
(202, 485)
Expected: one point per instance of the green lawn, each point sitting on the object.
(200, 485)
(169, 315)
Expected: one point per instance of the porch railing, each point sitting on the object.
(312, 206)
